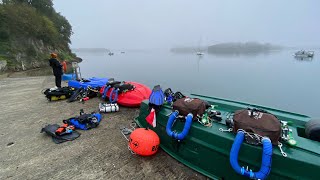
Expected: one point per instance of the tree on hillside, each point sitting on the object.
(44, 6)
(49, 20)
(30, 29)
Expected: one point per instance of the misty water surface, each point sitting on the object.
(274, 79)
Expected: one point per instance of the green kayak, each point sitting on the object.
(207, 149)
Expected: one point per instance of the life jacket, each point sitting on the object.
(64, 66)
(59, 94)
(84, 121)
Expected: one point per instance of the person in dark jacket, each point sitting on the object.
(57, 69)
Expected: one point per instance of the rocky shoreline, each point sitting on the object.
(5, 72)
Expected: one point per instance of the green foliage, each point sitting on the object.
(4, 33)
(66, 56)
(35, 19)
(25, 22)
(2, 58)
(31, 51)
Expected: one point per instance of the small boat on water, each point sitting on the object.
(303, 53)
(200, 53)
(110, 53)
(209, 150)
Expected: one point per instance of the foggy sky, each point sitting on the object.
(121, 24)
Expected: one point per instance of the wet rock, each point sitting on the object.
(3, 65)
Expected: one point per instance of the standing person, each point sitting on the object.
(57, 69)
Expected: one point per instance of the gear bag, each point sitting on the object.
(51, 131)
(259, 122)
(188, 105)
(58, 94)
(84, 121)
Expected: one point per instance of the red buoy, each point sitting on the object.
(144, 142)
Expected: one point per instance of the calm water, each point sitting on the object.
(276, 80)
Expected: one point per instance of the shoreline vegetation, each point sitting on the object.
(29, 31)
(231, 48)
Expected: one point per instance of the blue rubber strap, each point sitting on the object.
(115, 92)
(266, 158)
(171, 119)
(186, 128)
(235, 152)
(105, 91)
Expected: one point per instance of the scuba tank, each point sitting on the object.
(104, 107)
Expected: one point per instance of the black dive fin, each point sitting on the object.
(76, 94)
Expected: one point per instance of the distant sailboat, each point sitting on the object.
(199, 52)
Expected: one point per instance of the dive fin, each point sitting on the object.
(156, 96)
(76, 95)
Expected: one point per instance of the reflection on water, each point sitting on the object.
(307, 59)
(272, 79)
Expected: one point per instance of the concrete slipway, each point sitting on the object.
(99, 153)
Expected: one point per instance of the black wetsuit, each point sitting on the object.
(57, 70)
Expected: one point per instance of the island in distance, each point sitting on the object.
(232, 48)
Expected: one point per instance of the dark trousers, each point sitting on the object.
(58, 81)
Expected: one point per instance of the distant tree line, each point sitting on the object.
(248, 47)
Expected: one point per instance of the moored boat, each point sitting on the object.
(200, 53)
(207, 149)
(304, 54)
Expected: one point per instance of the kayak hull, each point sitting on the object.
(132, 98)
(94, 82)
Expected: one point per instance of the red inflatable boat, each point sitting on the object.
(131, 98)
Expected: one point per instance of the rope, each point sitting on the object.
(127, 131)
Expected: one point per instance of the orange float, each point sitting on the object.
(144, 142)
(64, 66)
